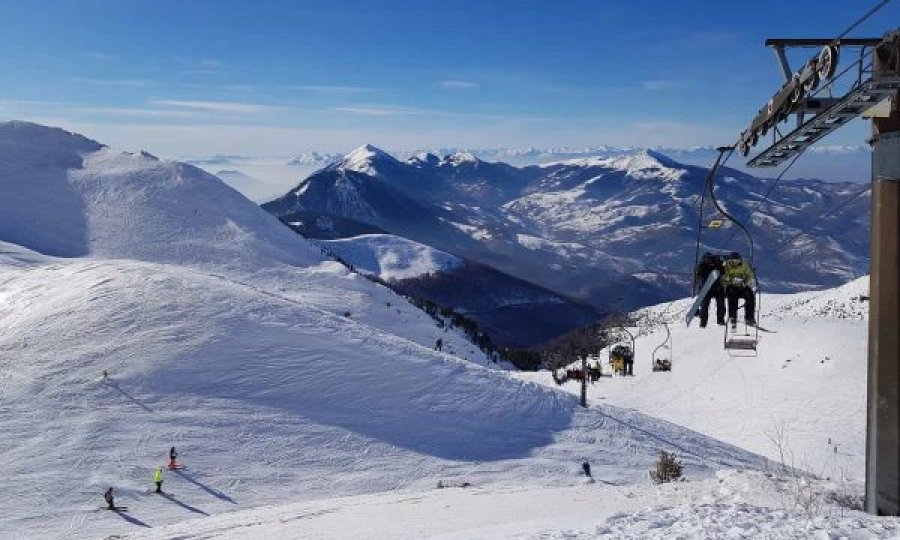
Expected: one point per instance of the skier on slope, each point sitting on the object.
(740, 282)
(108, 497)
(439, 344)
(172, 455)
(705, 267)
(157, 479)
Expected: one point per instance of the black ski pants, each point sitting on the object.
(719, 294)
(735, 294)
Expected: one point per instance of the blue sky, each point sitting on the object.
(275, 77)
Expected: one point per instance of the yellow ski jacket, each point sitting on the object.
(739, 275)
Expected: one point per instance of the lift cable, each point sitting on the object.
(765, 196)
(736, 221)
(862, 20)
(825, 215)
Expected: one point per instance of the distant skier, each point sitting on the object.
(172, 455)
(705, 267)
(157, 479)
(586, 467)
(739, 283)
(108, 497)
(439, 344)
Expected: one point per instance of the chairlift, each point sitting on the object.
(621, 353)
(662, 354)
(733, 341)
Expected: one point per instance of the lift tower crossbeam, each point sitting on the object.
(852, 105)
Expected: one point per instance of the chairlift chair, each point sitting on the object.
(746, 340)
(622, 351)
(662, 354)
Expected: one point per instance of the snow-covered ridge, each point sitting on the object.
(391, 257)
(640, 165)
(313, 158)
(459, 158)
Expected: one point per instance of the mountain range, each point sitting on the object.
(616, 232)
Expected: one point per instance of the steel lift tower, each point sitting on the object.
(873, 93)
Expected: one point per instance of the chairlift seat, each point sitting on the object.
(743, 343)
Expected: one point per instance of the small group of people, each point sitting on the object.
(736, 282)
(157, 481)
(622, 358)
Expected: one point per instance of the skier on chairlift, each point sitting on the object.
(705, 267)
(740, 283)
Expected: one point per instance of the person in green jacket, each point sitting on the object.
(739, 283)
(157, 479)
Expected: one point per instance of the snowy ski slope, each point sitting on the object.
(277, 374)
(740, 505)
(808, 381)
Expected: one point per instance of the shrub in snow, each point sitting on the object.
(668, 469)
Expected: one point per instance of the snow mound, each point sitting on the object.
(848, 301)
(391, 257)
(735, 521)
(65, 195)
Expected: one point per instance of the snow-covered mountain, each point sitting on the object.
(831, 163)
(144, 305)
(615, 231)
(513, 312)
(313, 158)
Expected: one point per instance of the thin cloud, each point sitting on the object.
(132, 83)
(149, 113)
(387, 110)
(331, 89)
(377, 111)
(217, 106)
(459, 85)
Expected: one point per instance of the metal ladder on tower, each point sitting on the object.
(853, 104)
